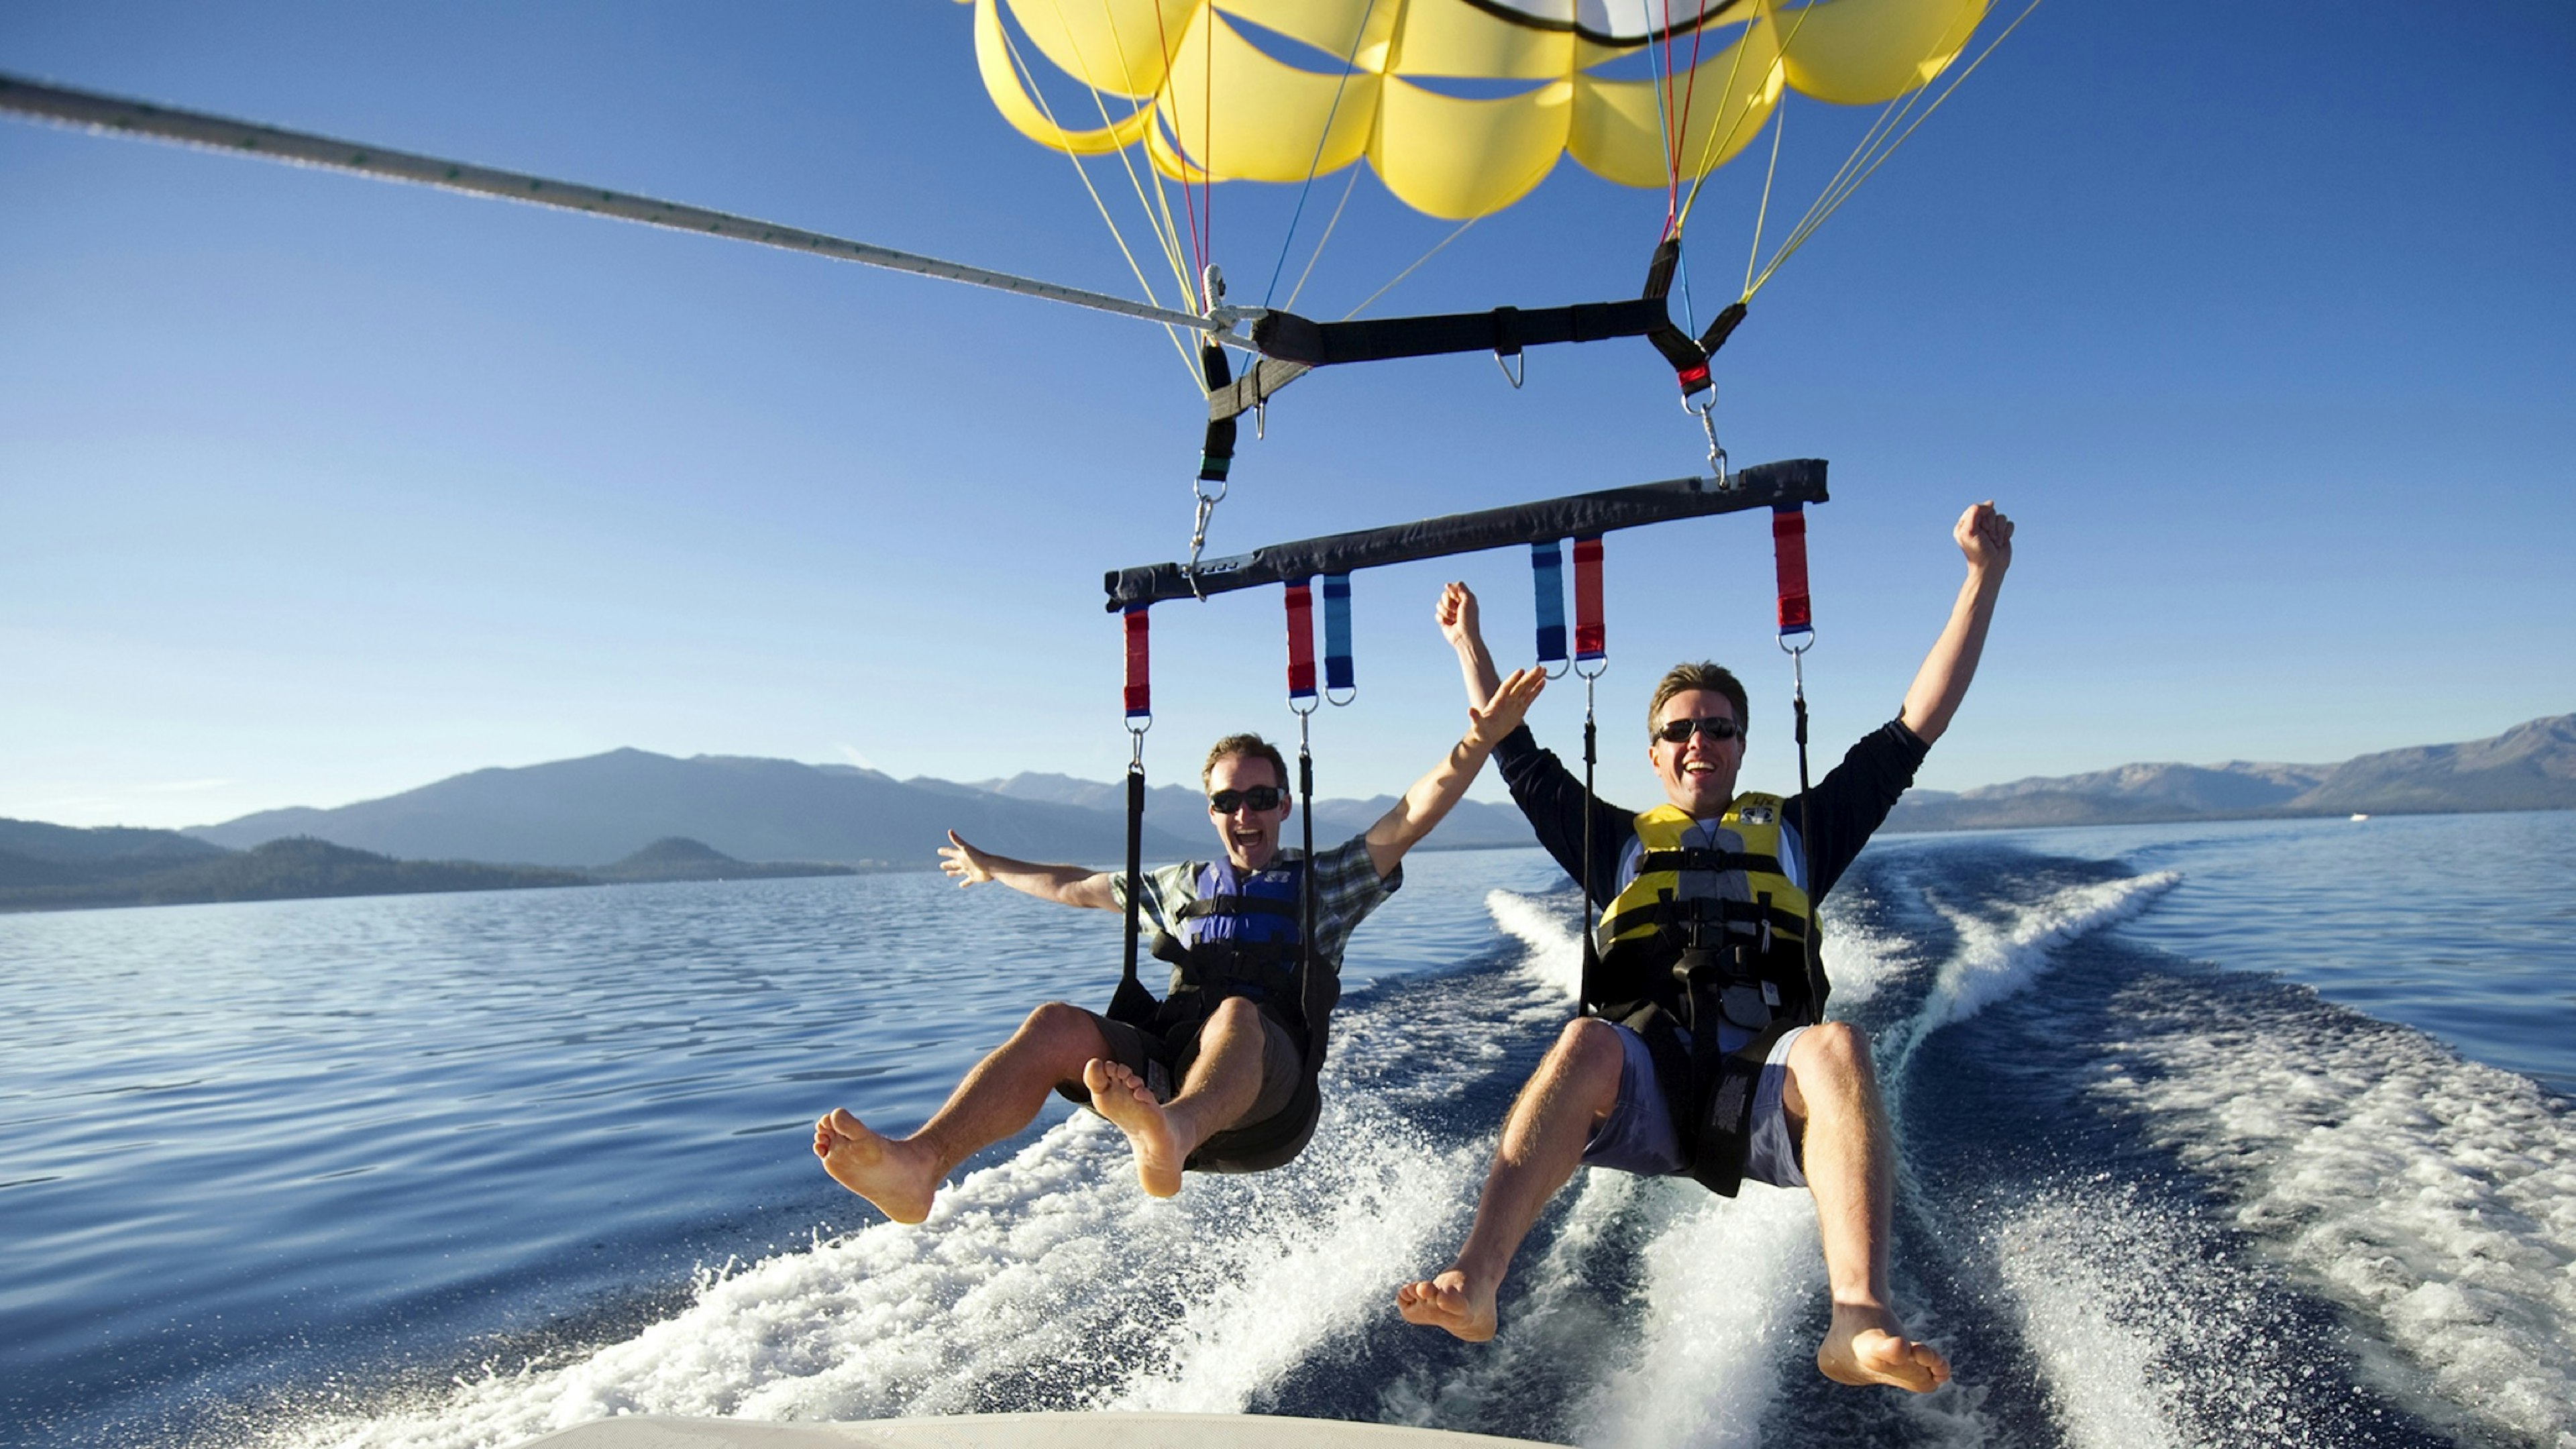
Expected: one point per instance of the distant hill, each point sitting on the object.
(574, 813)
(282, 870)
(33, 854)
(1182, 810)
(679, 858)
(2529, 767)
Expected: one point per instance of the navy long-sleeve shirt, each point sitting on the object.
(1843, 809)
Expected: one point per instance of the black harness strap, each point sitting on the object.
(1700, 857)
(1253, 388)
(1216, 455)
(1131, 1002)
(1236, 906)
(1309, 986)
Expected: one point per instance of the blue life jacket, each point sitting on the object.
(1239, 937)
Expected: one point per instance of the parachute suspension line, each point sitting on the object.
(1347, 188)
(1659, 58)
(1717, 140)
(1753, 258)
(1679, 135)
(1164, 235)
(1189, 204)
(1436, 248)
(1841, 191)
(1339, 677)
(1350, 59)
(1028, 81)
(1547, 582)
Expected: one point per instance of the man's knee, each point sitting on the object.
(1588, 1049)
(1063, 1027)
(1234, 1014)
(1828, 1058)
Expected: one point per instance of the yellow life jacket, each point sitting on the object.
(1708, 900)
(1707, 926)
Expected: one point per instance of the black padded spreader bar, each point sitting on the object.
(1503, 331)
(1584, 515)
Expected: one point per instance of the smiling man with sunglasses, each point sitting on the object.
(1701, 1048)
(1220, 1078)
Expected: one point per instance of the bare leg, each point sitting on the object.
(1574, 1088)
(1851, 1169)
(1224, 1082)
(999, 1097)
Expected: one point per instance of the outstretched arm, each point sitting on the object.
(1071, 884)
(1432, 796)
(1458, 624)
(1984, 536)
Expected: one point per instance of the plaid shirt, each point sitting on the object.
(1346, 884)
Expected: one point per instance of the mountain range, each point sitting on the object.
(654, 817)
(2529, 767)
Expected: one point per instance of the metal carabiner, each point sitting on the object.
(1705, 412)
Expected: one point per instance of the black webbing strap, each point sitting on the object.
(1591, 987)
(1232, 906)
(1816, 986)
(1217, 453)
(1314, 1010)
(1132, 1003)
(1700, 857)
(1253, 388)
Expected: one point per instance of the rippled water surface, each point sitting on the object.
(2235, 1134)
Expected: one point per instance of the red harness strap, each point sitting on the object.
(1301, 641)
(1789, 557)
(1140, 677)
(1591, 637)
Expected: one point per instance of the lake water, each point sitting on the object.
(2217, 1134)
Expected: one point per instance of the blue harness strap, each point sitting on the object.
(1547, 578)
(1337, 636)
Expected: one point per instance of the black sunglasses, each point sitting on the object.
(1677, 731)
(1259, 797)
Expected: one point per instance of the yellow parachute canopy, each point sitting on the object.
(1185, 79)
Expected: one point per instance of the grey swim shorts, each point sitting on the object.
(1638, 1136)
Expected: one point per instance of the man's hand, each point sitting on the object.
(1456, 612)
(1985, 536)
(964, 861)
(1487, 723)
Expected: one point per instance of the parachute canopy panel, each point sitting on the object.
(1460, 106)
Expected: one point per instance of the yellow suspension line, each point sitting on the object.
(1189, 362)
(1752, 258)
(1788, 248)
(1347, 187)
(1716, 142)
(1165, 233)
(1409, 271)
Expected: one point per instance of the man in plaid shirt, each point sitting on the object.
(1221, 1076)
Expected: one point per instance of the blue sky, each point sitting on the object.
(313, 489)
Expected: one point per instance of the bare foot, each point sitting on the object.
(1448, 1302)
(896, 1176)
(1131, 1108)
(1865, 1346)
